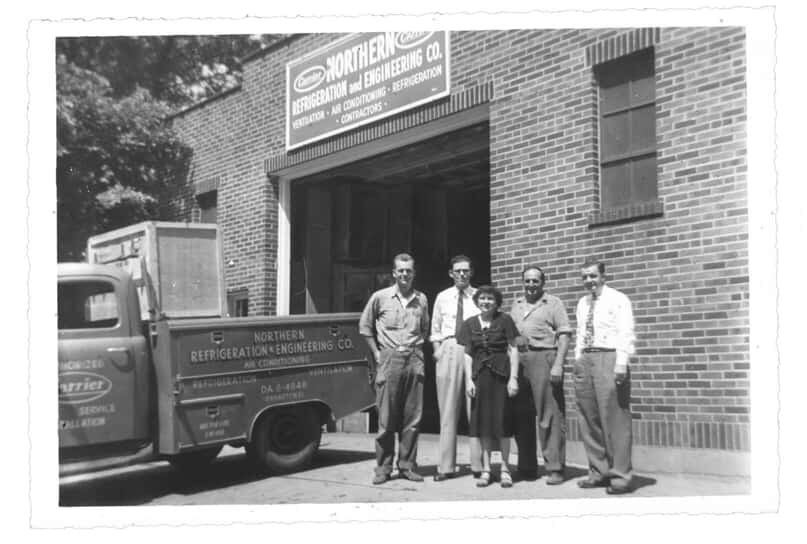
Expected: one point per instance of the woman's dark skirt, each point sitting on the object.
(491, 408)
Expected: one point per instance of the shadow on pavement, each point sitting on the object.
(571, 473)
(142, 484)
(642, 481)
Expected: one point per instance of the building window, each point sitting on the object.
(207, 206)
(238, 303)
(627, 116)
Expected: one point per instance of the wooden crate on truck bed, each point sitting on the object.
(177, 267)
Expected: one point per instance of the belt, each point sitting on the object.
(536, 348)
(405, 349)
(597, 350)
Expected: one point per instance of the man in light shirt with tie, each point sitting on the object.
(451, 307)
(604, 344)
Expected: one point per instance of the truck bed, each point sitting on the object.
(217, 376)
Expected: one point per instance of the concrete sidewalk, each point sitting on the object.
(342, 473)
(463, 488)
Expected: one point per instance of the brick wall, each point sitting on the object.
(686, 270)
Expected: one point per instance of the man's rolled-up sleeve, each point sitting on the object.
(368, 318)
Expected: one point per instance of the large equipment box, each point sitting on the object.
(177, 267)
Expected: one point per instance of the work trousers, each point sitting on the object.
(550, 411)
(399, 399)
(450, 381)
(605, 420)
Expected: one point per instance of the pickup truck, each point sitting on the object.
(184, 388)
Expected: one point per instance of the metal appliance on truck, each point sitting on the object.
(183, 387)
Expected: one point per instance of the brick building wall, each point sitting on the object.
(685, 269)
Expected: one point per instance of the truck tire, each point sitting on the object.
(286, 439)
(194, 460)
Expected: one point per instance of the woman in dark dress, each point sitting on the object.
(491, 372)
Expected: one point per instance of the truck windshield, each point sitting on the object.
(87, 305)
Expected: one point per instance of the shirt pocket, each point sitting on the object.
(390, 319)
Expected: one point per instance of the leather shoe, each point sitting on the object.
(555, 478)
(443, 476)
(611, 490)
(591, 484)
(476, 473)
(411, 476)
(380, 478)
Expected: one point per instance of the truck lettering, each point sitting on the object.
(96, 409)
(304, 347)
(206, 425)
(329, 371)
(69, 424)
(230, 353)
(280, 361)
(288, 335)
(269, 388)
(88, 364)
(283, 397)
(80, 387)
(222, 381)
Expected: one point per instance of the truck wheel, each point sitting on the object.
(194, 460)
(286, 439)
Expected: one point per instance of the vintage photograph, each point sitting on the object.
(436, 263)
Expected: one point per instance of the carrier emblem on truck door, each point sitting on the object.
(78, 387)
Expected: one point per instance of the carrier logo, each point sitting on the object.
(408, 40)
(78, 387)
(309, 79)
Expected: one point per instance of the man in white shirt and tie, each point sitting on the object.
(605, 342)
(451, 307)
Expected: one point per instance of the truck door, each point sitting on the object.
(103, 363)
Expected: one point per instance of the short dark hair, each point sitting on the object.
(460, 259)
(595, 262)
(403, 257)
(533, 267)
(489, 290)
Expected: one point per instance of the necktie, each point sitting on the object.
(588, 341)
(458, 323)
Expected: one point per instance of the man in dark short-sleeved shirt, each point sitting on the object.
(544, 327)
(395, 323)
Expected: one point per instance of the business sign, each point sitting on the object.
(363, 78)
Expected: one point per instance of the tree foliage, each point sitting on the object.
(115, 153)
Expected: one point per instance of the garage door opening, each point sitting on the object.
(430, 199)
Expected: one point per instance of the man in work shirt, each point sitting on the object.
(543, 324)
(605, 341)
(451, 307)
(395, 323)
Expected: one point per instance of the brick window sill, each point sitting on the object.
(629, 212)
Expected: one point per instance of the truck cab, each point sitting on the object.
(181, 389)
(105, 375)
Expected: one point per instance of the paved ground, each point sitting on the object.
(342, 472)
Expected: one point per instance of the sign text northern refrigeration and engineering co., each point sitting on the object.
(362, 78)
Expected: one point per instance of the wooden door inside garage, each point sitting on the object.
(430, 199)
